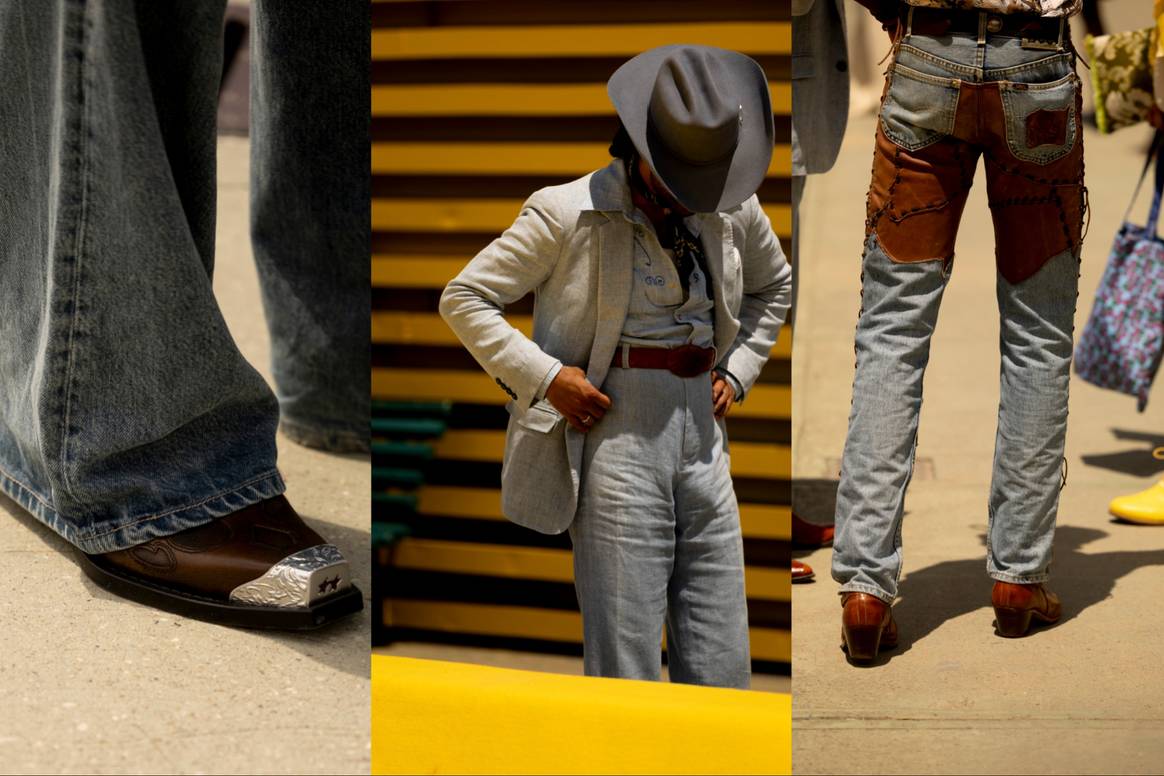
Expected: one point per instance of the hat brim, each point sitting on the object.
(704, 188)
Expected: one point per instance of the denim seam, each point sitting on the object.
(1010, 118)
(950, 113)
(159, 515)
(858, 587)
(1000, 73)
(78, 247)
(32, 502)
(955, 67)
(1021, 579)
(26, 488)
(927, 78)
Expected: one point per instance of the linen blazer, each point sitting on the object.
(820, 84)
(572, 245)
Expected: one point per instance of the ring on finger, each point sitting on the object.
(587, 420)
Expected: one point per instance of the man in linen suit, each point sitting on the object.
(660, 290)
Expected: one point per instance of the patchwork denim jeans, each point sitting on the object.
(949, 101)
(126, 410)
(657, 536)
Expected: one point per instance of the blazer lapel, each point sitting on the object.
(716, 236)
(613, 244)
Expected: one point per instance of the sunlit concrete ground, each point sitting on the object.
(92, 684)
(1084, 697)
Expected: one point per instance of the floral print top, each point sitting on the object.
(1053, 8)
(885, 10)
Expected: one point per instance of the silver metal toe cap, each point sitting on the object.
(299, 580)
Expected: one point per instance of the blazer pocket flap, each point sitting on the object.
(542, 417)
(803, 66)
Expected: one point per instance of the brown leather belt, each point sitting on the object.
(683, 361)
(937, 22)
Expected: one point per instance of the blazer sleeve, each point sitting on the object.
(473, 303)
(767, 294)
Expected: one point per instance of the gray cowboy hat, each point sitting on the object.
(702, 118)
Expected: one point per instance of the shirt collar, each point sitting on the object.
(612, 194)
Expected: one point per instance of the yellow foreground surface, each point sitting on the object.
(432, 716)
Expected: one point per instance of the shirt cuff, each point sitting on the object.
(549, 378)
(733, 382)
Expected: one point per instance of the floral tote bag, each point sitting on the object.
(1122, 343)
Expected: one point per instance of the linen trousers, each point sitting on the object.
(657, 541)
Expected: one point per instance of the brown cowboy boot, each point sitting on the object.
(1016, 605)
(867, 626)
(260, 567)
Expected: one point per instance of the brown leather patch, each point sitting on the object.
(1038, 210)
(916, 198)
(1047, 127)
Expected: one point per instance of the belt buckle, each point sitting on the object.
(688, 360)
(1038, 45)
(1045, 44)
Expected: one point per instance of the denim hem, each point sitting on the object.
(1019, 579)
(323, 437)
(857, 587)
(138, 530)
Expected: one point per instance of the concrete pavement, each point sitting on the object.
(90, 683)
(1086, 696)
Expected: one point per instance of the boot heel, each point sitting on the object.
(862, 642)
(1012, 623)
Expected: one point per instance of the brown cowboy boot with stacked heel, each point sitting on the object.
(1017, 606)
(867, 627)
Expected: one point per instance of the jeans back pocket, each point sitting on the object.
(919, 108)
(1040, 118)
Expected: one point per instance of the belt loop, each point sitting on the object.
(625, 356)
(982, 28)
(1060, 41)
(908, 23)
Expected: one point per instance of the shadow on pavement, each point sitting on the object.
(930, 596)
(1138, 462)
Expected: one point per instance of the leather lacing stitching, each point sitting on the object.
(899, 216)
(1052, 198)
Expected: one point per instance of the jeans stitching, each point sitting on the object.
(271, 474)
(858, 587)
(1000, 73)
(933, 59)
(27, 488)
(78, 246)
(1010, 118)
(949, 111)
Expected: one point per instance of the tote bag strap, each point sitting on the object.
(1155, 211)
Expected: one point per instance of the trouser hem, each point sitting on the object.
(322, 437)
(857, 587)
(1019, 579)
(138, 530)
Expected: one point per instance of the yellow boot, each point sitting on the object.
(1145, 507)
